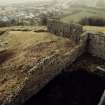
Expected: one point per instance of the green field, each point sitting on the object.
(77, 13)
(94, 29)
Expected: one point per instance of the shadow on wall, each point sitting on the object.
(70, 88)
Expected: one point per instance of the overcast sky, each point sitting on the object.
(17, 1)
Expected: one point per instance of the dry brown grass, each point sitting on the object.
(22, 51)
(24, 28)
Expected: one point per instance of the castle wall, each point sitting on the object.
(96, 41)
(97, 44)
(66, 30)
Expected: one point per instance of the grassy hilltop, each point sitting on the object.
(78, 12)
(20, 51)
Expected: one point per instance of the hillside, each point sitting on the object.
(20, 51)
(78, 12)
(90, 3)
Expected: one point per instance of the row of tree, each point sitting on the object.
(14, 22)
(93, 21)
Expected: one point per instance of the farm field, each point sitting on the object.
(77, 13)
(94, 29)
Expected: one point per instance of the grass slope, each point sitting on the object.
(81, 13)
(20, 51)
(94, 29)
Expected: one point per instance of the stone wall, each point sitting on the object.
(96, 41)
(96, 45)
(66, 30)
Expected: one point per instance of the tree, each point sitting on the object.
(43, 19)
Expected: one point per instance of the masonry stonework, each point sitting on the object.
(96, 41)
(66, 30)
(97, 44)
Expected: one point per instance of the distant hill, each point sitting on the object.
(76, 13)
(94, 3)
(84, 2)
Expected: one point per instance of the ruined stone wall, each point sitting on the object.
(97, 44)
(66, 30)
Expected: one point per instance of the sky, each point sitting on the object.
(16, 1)
(19, 1)
(90, 2)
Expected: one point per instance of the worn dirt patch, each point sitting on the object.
(2, 32)
(5, 55)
